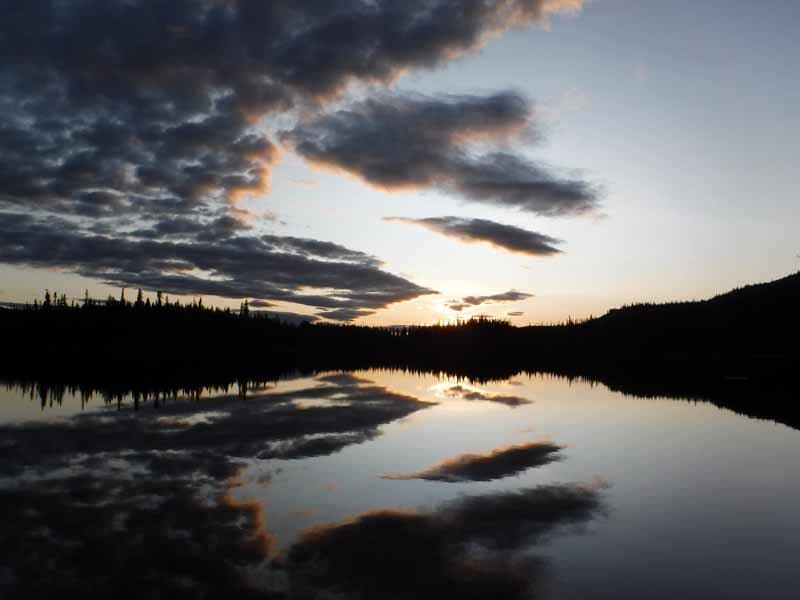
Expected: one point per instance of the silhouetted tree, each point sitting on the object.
(753, 328)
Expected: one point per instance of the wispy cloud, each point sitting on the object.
(504, 237)
(469, 301)
(260, 267)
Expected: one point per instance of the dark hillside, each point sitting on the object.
(754, 324)
(752, 331)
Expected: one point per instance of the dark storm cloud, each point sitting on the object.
(263, 267)
(412, 141)
(505, 237)
(474, 547)
(495, 464)
(459, 391)
(468, 301)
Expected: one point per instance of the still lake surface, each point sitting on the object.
(397, 485)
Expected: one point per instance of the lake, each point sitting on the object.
(392, 484)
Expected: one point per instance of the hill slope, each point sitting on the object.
(757, 322)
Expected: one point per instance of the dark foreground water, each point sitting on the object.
(383, 484)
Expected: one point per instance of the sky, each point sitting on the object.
(388, 163)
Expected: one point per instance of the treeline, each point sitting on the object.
(161, 340)
(54, 301)
(164, 341)
(750, 332)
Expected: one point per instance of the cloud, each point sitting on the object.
(474, 547)
(260, 267)
(468, 301)
(150, 120)
(316, 248)
(260, 304)
(495, 464)
(286, 317)
(516, 313)
(465, 393)
(510, 296)
(158, 105)
(344, 314)
(289, 317)
(504, 237)
(377, 41)
(170, 227)
(414, 141)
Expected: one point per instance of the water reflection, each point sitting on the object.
(495, 464)
(474, 547)
(128, 504)
(50, 395)
(468, 392)
(160, 528)
(268, 425)
(771, 399)
(387, 484)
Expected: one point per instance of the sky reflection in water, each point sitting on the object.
(380, 483)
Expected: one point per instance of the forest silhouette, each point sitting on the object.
(749, 332)
(738, 350)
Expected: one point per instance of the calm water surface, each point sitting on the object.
(381, 483)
